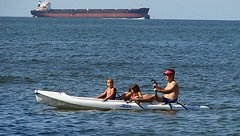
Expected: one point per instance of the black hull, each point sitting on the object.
(93, 13)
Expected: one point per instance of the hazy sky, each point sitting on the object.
(159, 9)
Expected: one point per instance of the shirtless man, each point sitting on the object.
(110, 92)
(170, 92)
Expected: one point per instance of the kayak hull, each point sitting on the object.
(62, 100)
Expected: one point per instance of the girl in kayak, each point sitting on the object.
(110, 92)
(133, 93)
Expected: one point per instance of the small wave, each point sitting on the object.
(36, 61)
(14, 79)
(6, 79)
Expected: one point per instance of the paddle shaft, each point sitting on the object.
(154, 86)
(137, 104)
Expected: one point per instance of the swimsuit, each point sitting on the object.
(114, 95)
(166, 100)
(133, 95)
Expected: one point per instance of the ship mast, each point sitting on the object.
(141, 4)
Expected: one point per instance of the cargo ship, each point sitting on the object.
(44, 10)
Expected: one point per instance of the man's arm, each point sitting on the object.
(167, 90)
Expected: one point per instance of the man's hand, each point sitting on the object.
(155, 85)
(157, 89)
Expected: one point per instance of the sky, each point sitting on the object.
(159, 9)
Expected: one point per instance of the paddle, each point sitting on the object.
(154, 86)
(136, 103)
(182, 105)
(139, 104)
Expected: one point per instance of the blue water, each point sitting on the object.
(77, 55)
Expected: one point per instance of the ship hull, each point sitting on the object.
(93, 13)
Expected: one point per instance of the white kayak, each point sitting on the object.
(62, 100)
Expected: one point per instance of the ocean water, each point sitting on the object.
(77, 55)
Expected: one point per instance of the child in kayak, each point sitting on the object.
(110, 92)
(133, 93)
